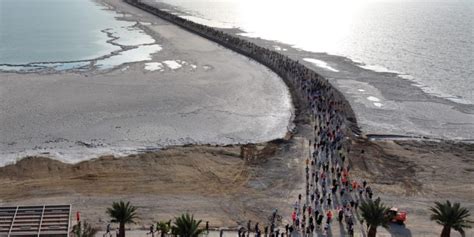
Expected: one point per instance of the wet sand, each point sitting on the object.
(74, 116)
(385, 104)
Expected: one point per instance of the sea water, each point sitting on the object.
(65, 34)
(428, 41)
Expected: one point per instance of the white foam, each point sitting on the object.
(173, 64)
(361, 90)
(433, 91)
(142, 53)
(320, 64)
(418, 83)
(193, 66)
(378, 104)
(278, 48)
(69, 155)
(373, 98)
(145, 23)
(406, 76)
(211, 23)
(378, 68)
(154, 66)
(130, 35)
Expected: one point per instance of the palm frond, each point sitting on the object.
(122, 212)
(186, 226)
(451, 215)
(374, 213)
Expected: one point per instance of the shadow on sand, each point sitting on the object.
(397, 230)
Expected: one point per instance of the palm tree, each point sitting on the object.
(123, 213)
(374, 213)
(451, 216)
(163, 227)
(186, 226)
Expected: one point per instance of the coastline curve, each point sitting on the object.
(306, 86)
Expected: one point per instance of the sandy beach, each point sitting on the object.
(80, 115)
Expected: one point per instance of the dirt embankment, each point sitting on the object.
(412, 175)
(214, 183)
(414, 168)
(209, 169)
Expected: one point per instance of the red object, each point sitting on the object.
(354, 184)
(78, 216)
(398, 216)
(401, 216)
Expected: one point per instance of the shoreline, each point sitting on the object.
(383, 64)
(241, 46)
(406, 110)
(119, 109)
(87, 65)
(385, 101)
(216, 184)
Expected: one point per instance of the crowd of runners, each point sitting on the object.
(331, 193)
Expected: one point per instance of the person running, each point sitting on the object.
(152, 231)
(329, 216)
(107, 231)
(340, 215)
(320, 220)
